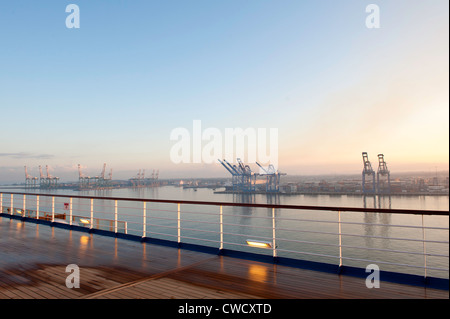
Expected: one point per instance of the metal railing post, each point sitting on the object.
(12, 201)
(53, 209)
(24, 205)
(340, 239)
(179, 223)
(424, 249)
(221, 227)
(274, 244)
(144, 219)
(1, 203)
(70, 211)
(92, 213)
(115, 216)
(37, 207)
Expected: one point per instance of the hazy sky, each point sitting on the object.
(114, 89)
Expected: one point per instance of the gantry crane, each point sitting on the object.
(242, 177)
(30, 181)
(384, 172)
(43, 181)
(248, 177)
(52, 181)
(136, 181)
(235, 175)
(367, 171)
(83, 180)
(272, 178)
(95, 182)
(141, 181)
(101, 179)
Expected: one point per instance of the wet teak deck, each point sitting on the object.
(33, 260)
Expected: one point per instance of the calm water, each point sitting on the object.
(316, 240)
(202, 194)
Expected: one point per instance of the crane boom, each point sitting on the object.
(226, 167)
(265, 171)
(367, 166)
(233, 168)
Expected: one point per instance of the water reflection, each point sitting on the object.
(369, 201)
(96, 192)
(247, 199)
(377, 224)
(273, 199)
(384, 202)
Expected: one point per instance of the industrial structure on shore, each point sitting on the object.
(243, 179)
(267, 180)
(85, 182)
(44, 181)
(141, 181)
(376, 185)
(94, 182)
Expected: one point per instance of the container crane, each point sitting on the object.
(248, 177)
(83, 180)
(367, 171)
(384, 172)
(43, 181)
(52, 181)
(235, 180)
(242, 177)
(30, 181)
(272, 178)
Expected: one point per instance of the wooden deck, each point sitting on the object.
(33, 260)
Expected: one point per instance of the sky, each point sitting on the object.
(113, 90)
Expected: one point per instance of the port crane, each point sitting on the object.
(96, 182)
(367, 171)
(83, 180)
(248, 178)
(52, 181)
(30, 181)
(235, 172)
(140, 180)
(383, 171)
(272, 178)
(242, 177)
